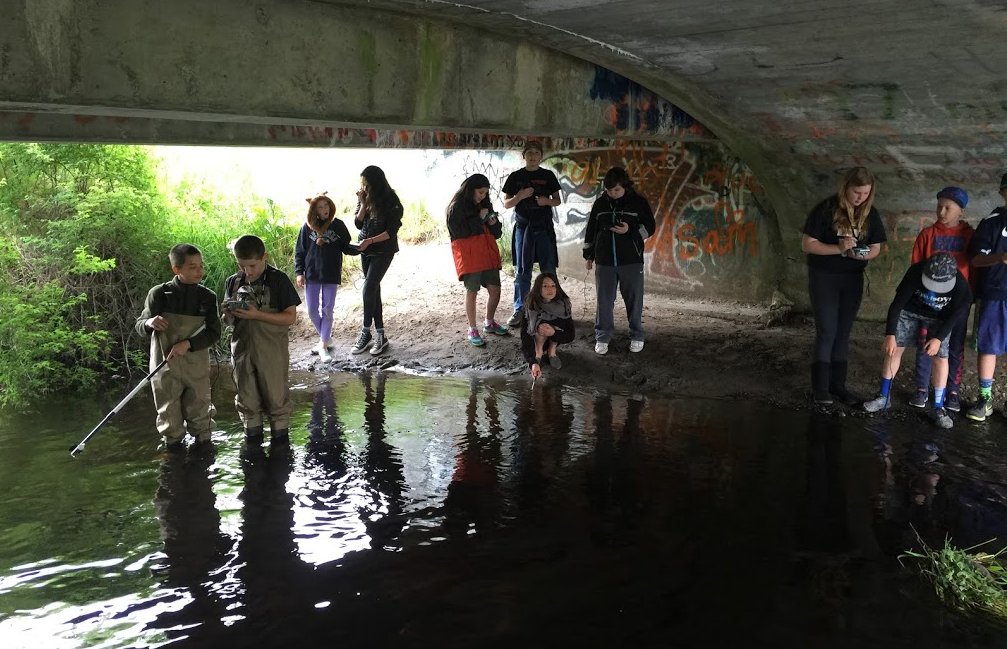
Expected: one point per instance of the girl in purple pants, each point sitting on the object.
(318, 262)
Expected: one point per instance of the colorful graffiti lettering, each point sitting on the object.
(706, 228)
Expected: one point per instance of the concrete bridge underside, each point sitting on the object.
(798, 90)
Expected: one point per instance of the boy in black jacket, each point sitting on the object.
(932, 296)
(620, 221)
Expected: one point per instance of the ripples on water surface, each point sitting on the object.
(447, 512)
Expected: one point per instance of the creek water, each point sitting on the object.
(451, 512)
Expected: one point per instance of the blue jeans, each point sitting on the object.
(531, 246)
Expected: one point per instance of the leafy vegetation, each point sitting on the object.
(972, 582)
(84, 234)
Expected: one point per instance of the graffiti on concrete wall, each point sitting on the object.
(635, 110)
(707, 225)
(707, 221)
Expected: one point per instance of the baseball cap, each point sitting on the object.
(940, 272)
(956, 194)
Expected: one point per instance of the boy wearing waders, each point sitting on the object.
(932, 296)
(261, 302)
(171, 315)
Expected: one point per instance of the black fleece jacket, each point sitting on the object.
(608, 248)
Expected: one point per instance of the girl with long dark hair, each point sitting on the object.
(474, 227)
(546, 322)
(378, 217)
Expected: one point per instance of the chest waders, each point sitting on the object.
(182, 389)
(261, 363)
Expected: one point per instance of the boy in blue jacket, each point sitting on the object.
(989, 253)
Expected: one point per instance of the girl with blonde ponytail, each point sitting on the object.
(842, 233)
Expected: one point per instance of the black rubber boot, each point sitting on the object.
(820, 374)
(837, 385)
(254, 434)
(279, 436)
(174, 446)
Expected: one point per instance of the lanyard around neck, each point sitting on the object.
(853, 228)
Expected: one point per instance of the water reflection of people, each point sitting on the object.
(542, 425)
(611, 481)
(824, 548)
(905, 500)
(325, 433)
(271, 568)
(383, 471)
(194, 546)
(473, 496)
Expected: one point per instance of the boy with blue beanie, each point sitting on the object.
(950, 233)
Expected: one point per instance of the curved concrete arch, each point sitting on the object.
(799, 90)
(300, 63)
(802, 91)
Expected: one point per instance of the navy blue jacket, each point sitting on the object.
(991, 238)
(323, 264)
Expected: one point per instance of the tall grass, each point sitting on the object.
(419, 225)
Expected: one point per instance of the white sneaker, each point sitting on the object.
(636, 346)
(601, 348)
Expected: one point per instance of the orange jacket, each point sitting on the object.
(954, 241)
(475, 254)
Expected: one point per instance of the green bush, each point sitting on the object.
(85, 232)
(40, 351)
